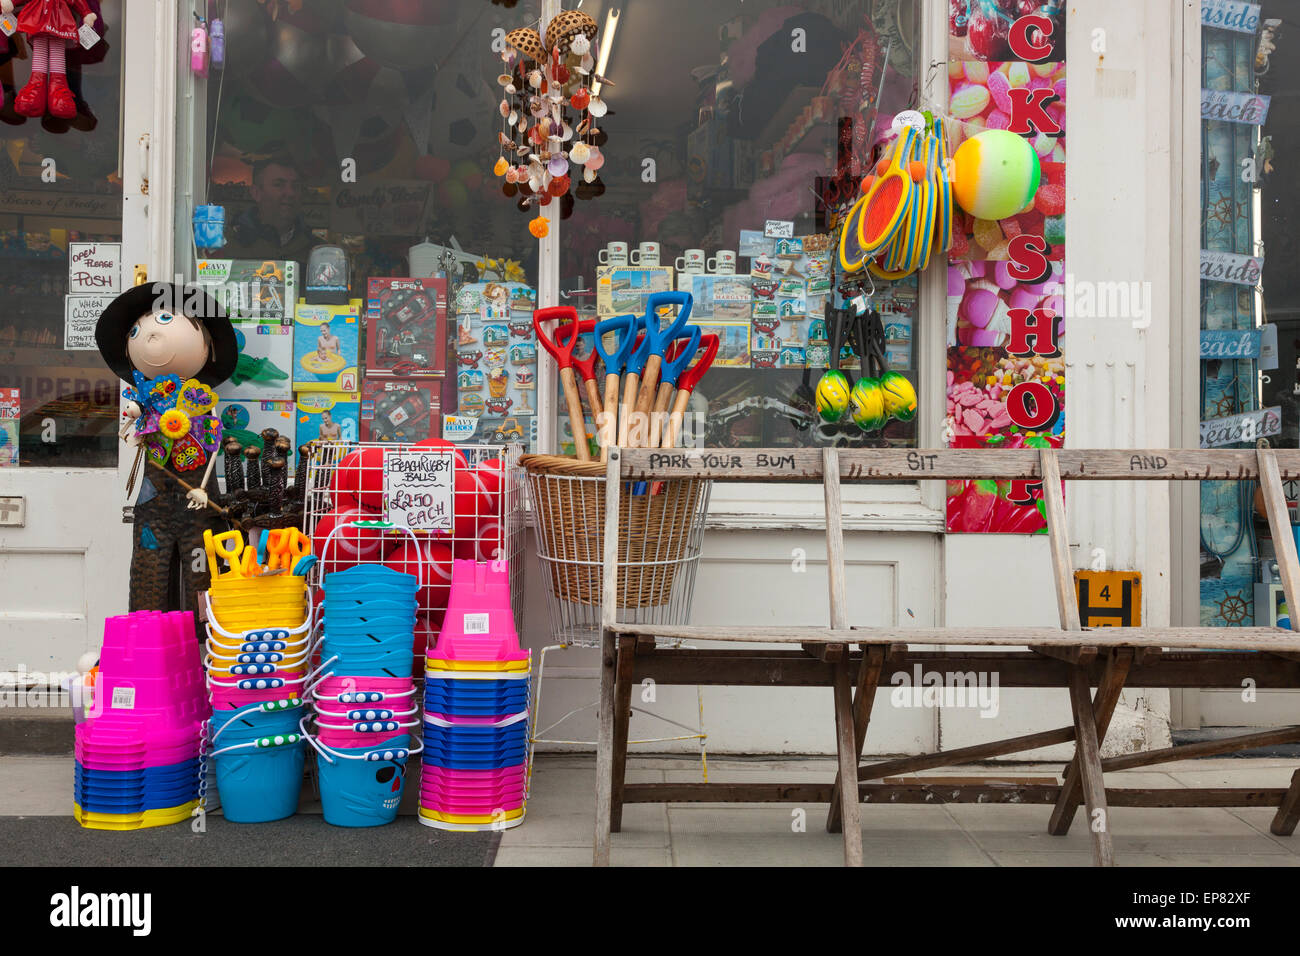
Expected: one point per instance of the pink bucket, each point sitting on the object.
(343, 739)
(333, 686)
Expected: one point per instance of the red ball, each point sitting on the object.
(359, 480)
(474, 505)
(430, 563)
(488, 546)
(351, 546)
(461, 461)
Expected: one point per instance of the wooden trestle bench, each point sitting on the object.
(1070, 657)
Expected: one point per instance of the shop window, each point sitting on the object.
(1250, 300)
(329, 125)
(60, 197)
(725, 117)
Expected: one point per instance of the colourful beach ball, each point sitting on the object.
(899, 396)
(832, 395)
(867, 405)
(995, 174)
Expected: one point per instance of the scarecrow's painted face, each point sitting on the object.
(164, 343)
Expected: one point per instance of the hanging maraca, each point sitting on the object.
(833, 387)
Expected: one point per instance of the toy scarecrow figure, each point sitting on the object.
(173, 346)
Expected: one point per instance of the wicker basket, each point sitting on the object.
(658, 531)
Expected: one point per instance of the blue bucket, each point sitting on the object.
(394, 663)
(258, 786)
(378, 579)
(362, 792)
(513, 759)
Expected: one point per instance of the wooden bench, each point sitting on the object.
(1071, 657)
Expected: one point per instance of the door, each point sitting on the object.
(68, 187)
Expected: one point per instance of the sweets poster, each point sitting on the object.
(1005, 333)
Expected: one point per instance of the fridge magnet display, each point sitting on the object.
(470, 380)
(265, 362)
(252, 290)
(329, 416)
(400, 410)
(624, 289)
(733, 343)
(327, 342)
(406, 327)
(496, 371)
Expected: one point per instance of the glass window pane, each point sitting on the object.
(723, 116)
(59, 184)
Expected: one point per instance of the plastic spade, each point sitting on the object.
(563, 355)
(686, 383)
(636, 362)
(615, 363)
(679, 355)
(659, 339)
(586, 367)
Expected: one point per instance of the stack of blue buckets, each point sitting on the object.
(365, 705)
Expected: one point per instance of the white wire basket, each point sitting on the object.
(488, 524)
(661, 533)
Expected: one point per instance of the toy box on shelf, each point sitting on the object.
(332, 416)
(327, 340)
(400, 410)
(406, 327)
(470, 507)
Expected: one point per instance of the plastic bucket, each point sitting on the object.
(259, 785)
(362, 786)
(243, 726)
(349, 738)
(396, 663)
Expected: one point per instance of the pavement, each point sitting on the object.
(36, 826)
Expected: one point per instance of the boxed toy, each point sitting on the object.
(327, 342)
(245, 421)
(406, 327)
(252, 290)
(263, 373)
(334, 416)
(400, 410)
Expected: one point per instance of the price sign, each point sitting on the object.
(779, 229)
(418, 489)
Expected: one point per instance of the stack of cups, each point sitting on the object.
(259, 651)
(475, 766)
(137, 756)
(365, 704)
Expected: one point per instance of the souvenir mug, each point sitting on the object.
(692, 263)
(724, 263)
(615, 254)
(646, 255)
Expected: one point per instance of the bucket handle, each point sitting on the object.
(263, 743)
(383, 695)
(419, 556)
(512, 719)
(265, 707)
(325, 750)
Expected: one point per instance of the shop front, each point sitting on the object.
(713, 149)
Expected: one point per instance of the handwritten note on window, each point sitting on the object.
(418, 489)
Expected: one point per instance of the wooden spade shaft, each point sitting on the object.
(593, 399)
(663, 401)
(626, 407)
(576, 423)
(645, 398)
(609, 428)
(674, 427)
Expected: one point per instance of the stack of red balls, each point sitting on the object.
(357, 490)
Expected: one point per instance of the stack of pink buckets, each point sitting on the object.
(474, 772)
(137, 754)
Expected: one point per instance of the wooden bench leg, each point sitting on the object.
(622, 717)
(605, 750)
(1107, 697)
(1088, 754)
(1288, 814)
(873, 661)
(847, 748)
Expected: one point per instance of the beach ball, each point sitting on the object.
(867, 405)
(899, 396)
(832, 395)
(995, 174)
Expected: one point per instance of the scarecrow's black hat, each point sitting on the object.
(115, 323)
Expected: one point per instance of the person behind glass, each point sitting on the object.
(273, 227)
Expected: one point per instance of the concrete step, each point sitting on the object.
(36, 730)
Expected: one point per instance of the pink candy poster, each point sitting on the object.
(1005, 333)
